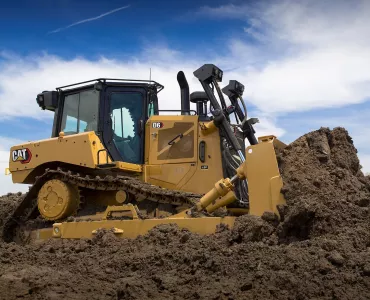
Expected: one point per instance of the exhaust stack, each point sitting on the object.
(185, 99)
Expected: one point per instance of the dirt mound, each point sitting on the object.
(325, 190)
(320, 249)
(7, 204)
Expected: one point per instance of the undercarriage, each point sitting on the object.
(61, 195)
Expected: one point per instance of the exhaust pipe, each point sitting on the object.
(185, 99)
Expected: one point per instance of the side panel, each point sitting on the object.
(179, 166)
(181, 131)
(206, 173)
(80, 150)
(169, 175)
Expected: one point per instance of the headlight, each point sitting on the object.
(236, 87)
(233, 88)
(40, 100)
(209, 72)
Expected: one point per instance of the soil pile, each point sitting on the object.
(319, 250)
(7, 204)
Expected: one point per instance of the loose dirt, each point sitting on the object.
(319, 250)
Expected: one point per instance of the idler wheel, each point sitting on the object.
(57, 200)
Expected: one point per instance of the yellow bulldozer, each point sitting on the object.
(115, 160)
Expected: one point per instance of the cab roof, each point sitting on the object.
(112, 82)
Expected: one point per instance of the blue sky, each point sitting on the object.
(305, 64)
(119, 34)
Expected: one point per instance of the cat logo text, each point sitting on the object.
(22, 155)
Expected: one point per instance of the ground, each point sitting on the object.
(320, 249)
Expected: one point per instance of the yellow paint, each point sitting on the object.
(264, 180)
(220, 202)
(136, 227)
(7, 171)
(213, 161)
(167, 175)
(154, 150)
(57, 200)
(80, 150)
(182, 174)
(125, 166)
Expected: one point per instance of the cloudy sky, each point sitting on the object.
(305, 64)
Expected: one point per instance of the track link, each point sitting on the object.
(27, 209)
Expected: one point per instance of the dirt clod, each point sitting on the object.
(335, 258)
(319, 249)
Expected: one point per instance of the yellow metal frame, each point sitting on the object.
(134, 228)
(120, 165)
(128, 228)
(262, 172)
(79, 149)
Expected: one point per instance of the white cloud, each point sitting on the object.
(7, 143)
(36, 74)
(308, 54)
(365, 162)
(267, 126)
(315, 53)
(230, 11)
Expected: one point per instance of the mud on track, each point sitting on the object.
(320, 250)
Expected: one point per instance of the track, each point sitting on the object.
(27, 209)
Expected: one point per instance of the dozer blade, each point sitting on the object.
(263, 175)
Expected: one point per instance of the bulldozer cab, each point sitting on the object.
(116, 110)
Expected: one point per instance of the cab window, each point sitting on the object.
(126, 112)
(151, 109)
(80, 112)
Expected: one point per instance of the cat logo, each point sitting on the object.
(22, 155)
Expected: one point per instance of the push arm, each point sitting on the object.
(221, 189)
(208, 75)
(234, 90)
